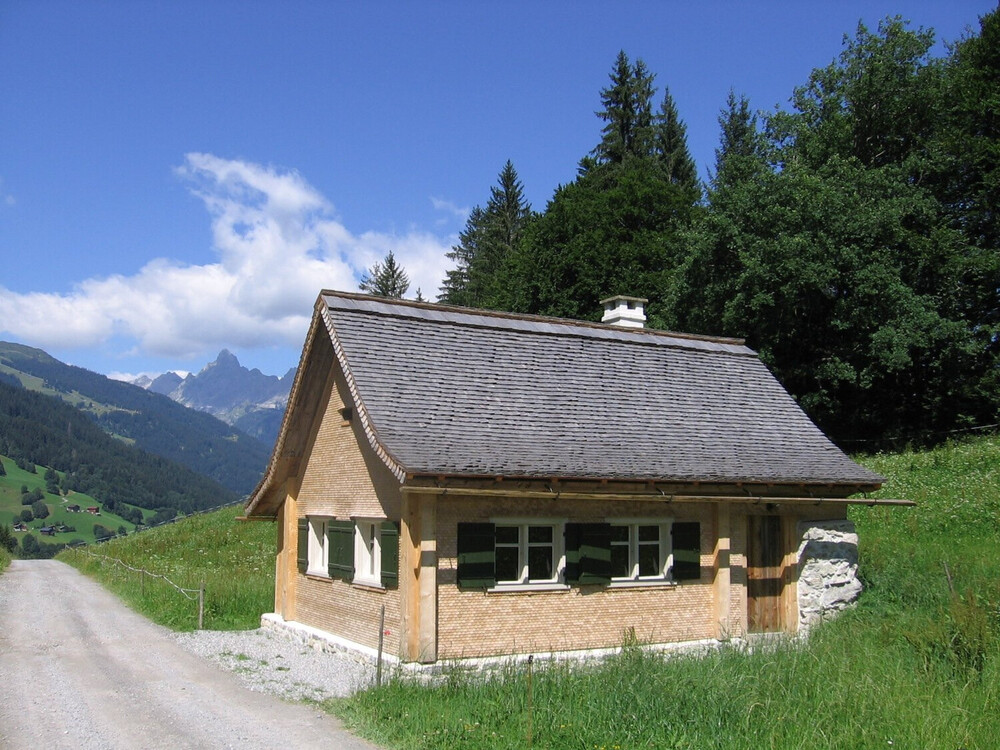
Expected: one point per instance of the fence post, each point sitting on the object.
(201, 605)
(142, 582)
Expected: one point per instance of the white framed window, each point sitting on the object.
(319, 546)
(640, 550)
(528, 552)
(367, 552)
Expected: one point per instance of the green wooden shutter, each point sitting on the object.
(476, 557)
(687, 551)
(390, 554)
(303, 548)
(588, 553)
(572, 535)
(340, 537)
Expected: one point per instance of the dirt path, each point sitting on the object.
(80, 670)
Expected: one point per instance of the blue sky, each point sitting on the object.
(181, 177)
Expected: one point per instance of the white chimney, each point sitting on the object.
(624, 311)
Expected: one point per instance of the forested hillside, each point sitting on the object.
(39, 429)
(852, 239)
(149, 420)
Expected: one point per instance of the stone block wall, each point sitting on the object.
(828, 569)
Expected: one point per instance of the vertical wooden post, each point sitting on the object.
(428, 579)
(723, 583)
(201, 605)
(418, 576)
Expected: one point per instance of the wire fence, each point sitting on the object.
(197, 594)
(190, 594)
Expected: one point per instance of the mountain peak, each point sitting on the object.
(226, 358)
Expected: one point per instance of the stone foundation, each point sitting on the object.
(828, 570)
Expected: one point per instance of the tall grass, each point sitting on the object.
(915, 664)
(234, 560)
(4, 560)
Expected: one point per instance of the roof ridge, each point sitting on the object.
(497, 316)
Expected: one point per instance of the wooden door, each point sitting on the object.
(765, 574)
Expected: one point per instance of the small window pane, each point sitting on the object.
(649, 559)
(619, 534)
(649, 533)
(539, 534)
(540, 563)
(619, 561)
(507, 568)
(507, 534)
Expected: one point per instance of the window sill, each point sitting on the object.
(316, 574)
(640, 584)
(368, 585)
(527, 588)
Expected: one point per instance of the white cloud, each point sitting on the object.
(449, 207)
(277, 242)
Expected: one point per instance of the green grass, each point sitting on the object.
(4, 560)
(10, 507)
(235, 560)
(915, 665)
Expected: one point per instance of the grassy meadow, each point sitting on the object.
(916, 664)
(83, 522)
(234, 560)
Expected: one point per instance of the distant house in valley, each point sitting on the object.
(94, 510)
(20, 527)
(47, 530)
(73, 508)
(506, 484)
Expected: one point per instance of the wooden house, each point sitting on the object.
(459, 483)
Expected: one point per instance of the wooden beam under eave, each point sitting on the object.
(659, 497)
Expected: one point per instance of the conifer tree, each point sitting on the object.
(627, 113)
(740, 153)
(490, 236)
(386, 279)
(670, 145)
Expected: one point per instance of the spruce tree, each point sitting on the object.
(386, 279)
(670, 145)
(627, 113)
(490, 237)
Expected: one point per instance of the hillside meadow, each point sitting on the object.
(10, 508)
(916, 664)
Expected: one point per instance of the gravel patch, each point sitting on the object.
(269, 662)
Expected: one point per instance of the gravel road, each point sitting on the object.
(80, 670)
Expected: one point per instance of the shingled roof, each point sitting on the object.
(454, 392)
(458, 392)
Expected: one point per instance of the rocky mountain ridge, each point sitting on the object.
(246, 399)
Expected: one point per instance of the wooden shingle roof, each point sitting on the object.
(445, 391)
(460, 392)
